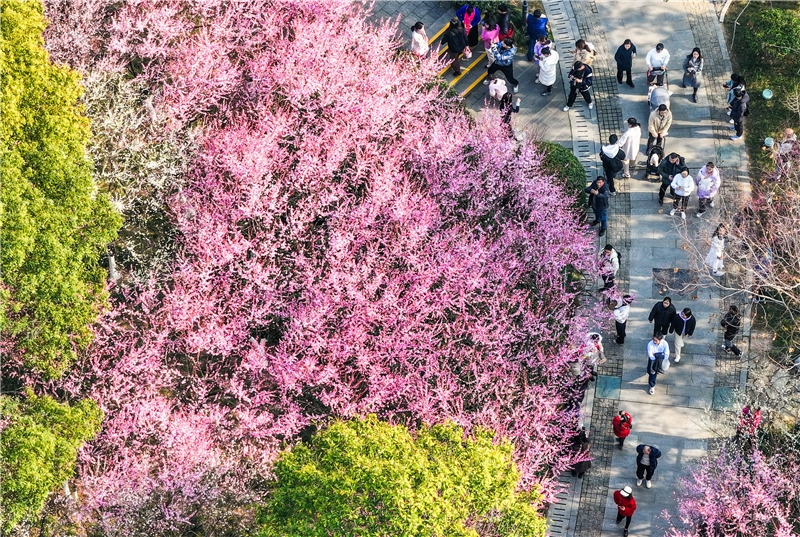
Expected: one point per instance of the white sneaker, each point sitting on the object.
(537, 79)
(672, 212)
(648, 484)
(626, 176)
(614, 193)
(683, 215)
(591, 105)
(677, 359)
(731, 121)
(712, 203)
(729, 113)
(718, 273)
(565, 109)
(516, 89)
(638, 482)
(485, 81)
(699, 215)
(652, 391)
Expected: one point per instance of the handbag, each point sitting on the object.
(467, 53)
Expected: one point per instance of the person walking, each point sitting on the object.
(658, 125)
(657, 359)
(584, 52)
(536, 28)
(581, 446)
(739, 109)
(657, 60)
(541, 43)
(646, 463)
(708, 183)
(661, 314)
(732, 322)
(622, 424)
(611, 156)
(504, 61)
(622, 309)
(599, 203)
(456, 40)
(548, 68)
(624, 58)
(714, 257)
(626, 506)
(670, 167)
(580, 80)
(682, 186)
(419, 40)
(629, 143)
(489, 34)
(693, 71)
(609, 259)
(682, 325)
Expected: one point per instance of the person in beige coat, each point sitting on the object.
(584, 52)
(658, 125)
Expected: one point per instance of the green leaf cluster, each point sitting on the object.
(39, 446)
(54, 224)
(567, 169)
(370, 478)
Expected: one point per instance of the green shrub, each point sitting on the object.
(568, 170)
(514, 10)
(39, 445)
(369, 478)
(55, 226)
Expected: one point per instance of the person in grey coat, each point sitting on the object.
(693, 71)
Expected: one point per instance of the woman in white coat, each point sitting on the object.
(714, 257)
(548, 67)
(419, 40)
(629, 143)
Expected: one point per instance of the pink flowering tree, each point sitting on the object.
(347, 241)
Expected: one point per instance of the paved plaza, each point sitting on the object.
(654, 246)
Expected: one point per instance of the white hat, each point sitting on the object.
(627, 491)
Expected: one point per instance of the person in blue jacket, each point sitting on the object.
(537, 26)
(646, 463)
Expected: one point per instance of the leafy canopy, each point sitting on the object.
(39, 446)
(366, 477)
(54, 225)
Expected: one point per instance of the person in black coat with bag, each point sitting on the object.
(598, 200)
(612, 156)
(456, 40)
(624, 58)
(682, 325)
(661, 315)
(581, 445)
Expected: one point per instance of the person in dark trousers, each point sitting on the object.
(661, 315)
(599, 203)
(671, 166)
(504, 61)
(537, 27)
(581, 445)
(626, 506)
(646, 463)
(658, 124)
(657, 359)
(732, 322)
(609, 259)
(624, 58)
(622, 309)
(611, 156)
(456, 40)
(622, 425)
(504, 20)
(739, 105)
(580, 80)
(682, 325)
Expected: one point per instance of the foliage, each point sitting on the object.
(489, 7)
(346, 243)
(55, 226)
(766, 51)
(40, 440)
(745, 489)
(567, 169)
(365, 477)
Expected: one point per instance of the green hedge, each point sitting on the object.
(560, 162)
(764, 52)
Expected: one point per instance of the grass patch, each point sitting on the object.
(766, 51)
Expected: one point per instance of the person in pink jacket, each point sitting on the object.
(708, 182)
(490, 35)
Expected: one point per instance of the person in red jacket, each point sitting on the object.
(622, 427)
(626, 506)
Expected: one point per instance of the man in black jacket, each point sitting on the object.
(612, 156)
(732, 322)
(599, 202)
(671, 166)
(456, 40)
(580, 80)
(739, 104)
(646, 463)
(683, 326)
(661, 315)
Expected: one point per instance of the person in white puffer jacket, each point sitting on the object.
(683, 185)
(708, 182)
